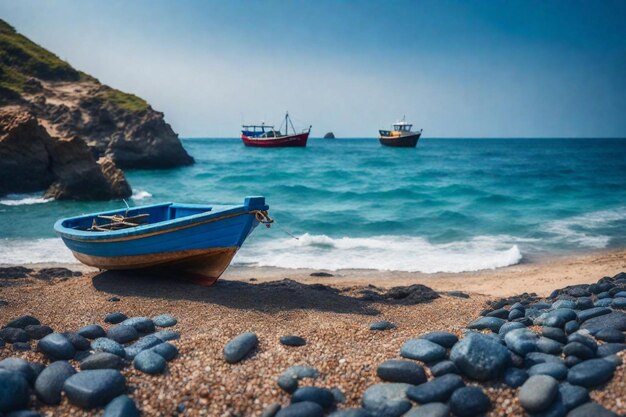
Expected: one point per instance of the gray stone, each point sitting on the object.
(79, 342)
(123, 333)
(49, 383)
(387, 399)
(609, 349)
(20, 366)
(558, 317)
(579, 350)
(107, 345)
(121, 406)
(352, 412)
(164, 320)
(487, 323)
(14, 335)
(507, 327)
(288, 380)
(533, 358)
(619, 303)
(591, 373)
(582, 336)
(21, 346)
(302, 409)
(382, 325)
(592, 312)
(538, 393)
(271, 410)
(24, 413)
(23, 321)
(557, 371)
(550, 346)
(480, 357)
(94, 388)
(610, 335)
(56, 347)
(167, 335)
(240, 346)
(591, 410)
(469, 402)
(102, 360)
(436, 390)
(167, 350)
(443, 368)
(573, 395)
(91, 331)
(422, 350)
(515, 377)
(13, 391)
(515, 314)
(395, 370)
(554, 333)
(444, 339)
(521, 341)
(149, 362)
(339, 396)
(614, 320)
(571, 326)
(141, 324)
(115, 318)
(37, 331)
(292, 341)
(142, 344)
(429, 410)
(322, 396)
(606, 302)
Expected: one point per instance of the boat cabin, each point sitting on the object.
(255, 131)
(402, 127)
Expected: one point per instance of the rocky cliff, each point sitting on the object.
(84, 126)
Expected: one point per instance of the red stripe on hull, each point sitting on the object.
(281, 142)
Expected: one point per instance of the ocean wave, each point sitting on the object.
(140, 195)
(387, 253)
(23, 199)
(586, 230)
(25, 251)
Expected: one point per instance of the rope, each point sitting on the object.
(264, 218)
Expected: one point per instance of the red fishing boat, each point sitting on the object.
(267, 137)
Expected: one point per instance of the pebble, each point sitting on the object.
(21, 346)
(37, 331)
(115, 318)
(141, 324)
(351, 412)
(584, 303)
(164, 320)
(515, 377)
(142, 344)
(619, 302)
(81, 355)
(579, 350)
(550, 346)
(608, 349)
(591, 410)
(167, 335)
(339, 396)
(302, 409)
(507, 327)
(480, 357)
(537, 393)
(469, 402)
(101, 360)
(558, 317)
(436, 390)
(444, 339)
(572, 360)
(591, 373)
(107, 345)
(614, 320)
(521, 341)
(395, 370)
(500, 313)
(121, 406)
(557, 371)
(429, 410)
(533, 358)
(79, 342)
(167, 350)
(592, 312)
(20, 366)
(14, 335)
(610, 335)
(49, 383)
(292, 341)
(321, 396)
(288, 380)
(573, 395)
(13, 391)
(387, 399)
(515, 314)
(603, 303)
(571, 326)
(240, 346)
(487, 323)
(443, 368)
(554, 333)
(149, 362)
(23, 321)
(270, 410)
(56, 347)
(24, 413)
(382, 325)
(94, 388)
(422, 350)
(92, 331)
(122, 333)
(581, 336)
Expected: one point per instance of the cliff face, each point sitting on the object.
(100, 128)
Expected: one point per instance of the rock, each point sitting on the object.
(338, 395)
(591, 373)
(292, 341)
(610, 335)
(422, 350)
(457, 294)
(81, 355)
(149, 362)
(515, 314)
(550, 346)
(322, 396)
(94, 388)
(554, 333)
(521, 341)
(606, 302)
(557, 371)
(395, 370)
(538, 393)
(614, 320)
(579, 350)
(92, 331)
(606, 349)
(167, 335)
(288, 380)
(167, 350)
(102, 360)
(271, 410)
(48, 274)
(240, 346)
(114, 299)
(436, 390)
(565, 304)
(591, 410)
(24, 413)
(592, 312)
(107, 345)
(533, 358)
(142, 344)
(558, 317)
(571, 327)
(444, 367)
(13, 391)
(584, 303)
(573, 395)
(500, 313)
(49, 383)
(164, 320)
(351, 412)
(469, 402)
(14, 272)
(121, 406)
(619, 303)
(79, 342)
(382, 325)
(572, 360)
(37, 331)
(141, 324)
(410, 295)
(487, 323)
(302, 409)
(444, 339)
(429, 410)
(56, 346)
(480, 357)
(115, 318)
(13, 335)
(515, 377)
(122, 333)
(582, 338)
(507, 327)
(20, 366)
(387, 399)
(329, 135)
(21, 346)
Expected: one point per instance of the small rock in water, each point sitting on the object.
(23, 321)
(115, 318)
(292, 341)
(56, 346)
(20, 366)
(92, 331)
(445, 339)
(164, 320)
(395, 370)
(436, 390)
(443, 368)
(167, 350)
(422, 350)
(302, 409)
(321, 396)
(382, 325)
(37, 331)
(122, 333)
(591, 373)
(94, 388)
(149, 362)
(387, 399)
(469, 402)
(480, 357)
(573, 395)
(13, 391)
(591, 410)
(538, 393)
(141, 324)
(515, 377)
(13, 335)
(240, 346)
(102, 360)
(121, 406)
(49, 383)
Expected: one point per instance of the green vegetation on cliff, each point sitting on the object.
(124, 101)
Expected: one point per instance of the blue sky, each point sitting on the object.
(455, 68)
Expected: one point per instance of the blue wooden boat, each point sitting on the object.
(198, 241)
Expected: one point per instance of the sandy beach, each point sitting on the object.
(332, 317)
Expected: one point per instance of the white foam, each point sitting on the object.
(388, 253)
(583, 230)
(140, 195)
(24, 251)
(23, 199)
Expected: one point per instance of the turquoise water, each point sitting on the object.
(447, 205)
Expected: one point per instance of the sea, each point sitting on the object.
(449, 205)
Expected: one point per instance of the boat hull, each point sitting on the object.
(409, 141)
(291, 141)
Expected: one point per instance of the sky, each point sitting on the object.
(466, 68)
